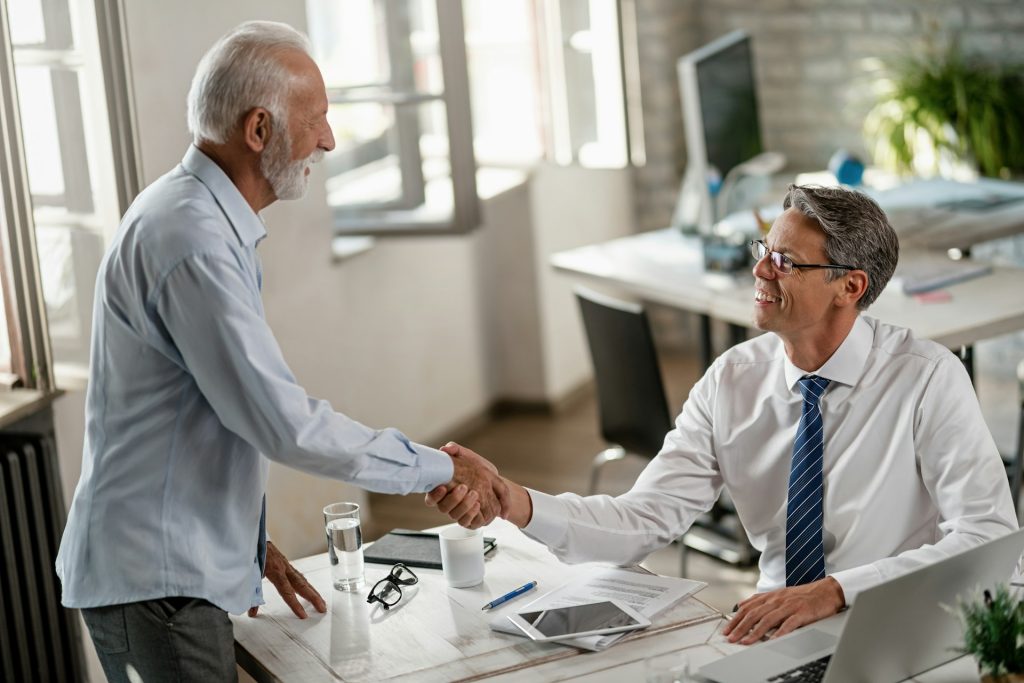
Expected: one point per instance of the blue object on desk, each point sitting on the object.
(848, 169)
(510, 595)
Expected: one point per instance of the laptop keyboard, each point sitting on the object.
(811, 672)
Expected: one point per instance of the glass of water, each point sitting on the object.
(344, 545)
(673, 667)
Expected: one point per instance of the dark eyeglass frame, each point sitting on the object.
(784, 264)
(391, 583)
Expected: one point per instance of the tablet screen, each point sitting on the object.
(577, 619)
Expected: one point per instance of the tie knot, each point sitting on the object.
(812, 387)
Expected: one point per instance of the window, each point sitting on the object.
(396, 82)
(582, 58)
(61, 199)
(422, 90)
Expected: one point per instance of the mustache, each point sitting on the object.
(316, 157)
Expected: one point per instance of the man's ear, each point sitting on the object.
(256, 129)
(855, 284)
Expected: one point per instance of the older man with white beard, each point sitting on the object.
(189, 394)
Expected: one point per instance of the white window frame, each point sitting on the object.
(398, 217)
(31, 357)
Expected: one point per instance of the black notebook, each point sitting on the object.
(413, 548)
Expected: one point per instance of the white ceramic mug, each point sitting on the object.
(462, 556)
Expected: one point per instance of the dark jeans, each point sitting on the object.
(163, 641)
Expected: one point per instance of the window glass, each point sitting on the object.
(39, 130)
(349, 42)
(26, 22)
(368, 172)
(57, 271)
(593, 85)
(382, 64)
(501, 52)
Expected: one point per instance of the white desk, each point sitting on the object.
(666, 267)
(440, 634)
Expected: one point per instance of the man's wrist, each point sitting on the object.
(837, 590)
(521, 510)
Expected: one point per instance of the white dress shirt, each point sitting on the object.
(911, 473)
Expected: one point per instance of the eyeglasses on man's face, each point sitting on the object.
(782, 263)
(388, 591)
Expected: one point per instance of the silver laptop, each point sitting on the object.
(893, 631)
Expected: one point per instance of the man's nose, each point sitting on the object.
(327, 138)
(763, 268)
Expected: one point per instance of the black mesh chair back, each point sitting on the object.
(633, 410)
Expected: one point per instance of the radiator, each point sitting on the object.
(39, 639)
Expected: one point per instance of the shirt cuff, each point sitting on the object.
(856, 579)
(550, 521)
(436, 468)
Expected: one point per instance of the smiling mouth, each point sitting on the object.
(765, 298)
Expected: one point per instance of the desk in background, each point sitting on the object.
(666, 267)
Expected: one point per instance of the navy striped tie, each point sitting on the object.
(805, 555)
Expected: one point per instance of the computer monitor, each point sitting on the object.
(719, 99)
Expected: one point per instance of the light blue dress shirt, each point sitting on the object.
(188, 397)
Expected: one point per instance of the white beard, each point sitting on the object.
(287, 178)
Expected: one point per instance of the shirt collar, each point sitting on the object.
(246, 223)
(845, 365)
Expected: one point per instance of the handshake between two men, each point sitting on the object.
(477, 493)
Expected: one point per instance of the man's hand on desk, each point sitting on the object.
(785, 609)
(289, 583)
(475, 495)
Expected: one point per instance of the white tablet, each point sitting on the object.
(592, 619)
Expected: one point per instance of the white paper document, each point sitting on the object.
(648, 594)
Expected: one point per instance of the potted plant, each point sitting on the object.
(948, 107)
(994, 635)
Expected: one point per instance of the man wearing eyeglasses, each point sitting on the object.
(852, 451)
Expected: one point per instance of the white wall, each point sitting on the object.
(536, 347)
(572, 207)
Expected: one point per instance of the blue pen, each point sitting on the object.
(510, 595)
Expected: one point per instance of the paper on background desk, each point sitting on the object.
(919, 272)
(648, 594)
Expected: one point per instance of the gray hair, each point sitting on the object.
(857, 233)
(240, 72)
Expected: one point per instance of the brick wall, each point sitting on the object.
(816, 62)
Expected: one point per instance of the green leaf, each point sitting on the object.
(945, 101)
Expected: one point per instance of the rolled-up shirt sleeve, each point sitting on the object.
(209, 309)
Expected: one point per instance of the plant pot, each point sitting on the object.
(1008, 678)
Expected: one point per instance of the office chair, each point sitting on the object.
(634, 414)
